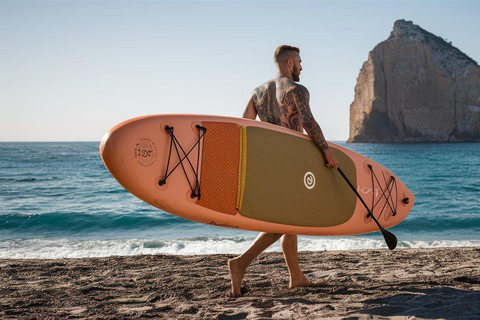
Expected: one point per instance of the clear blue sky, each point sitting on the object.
(70, 70)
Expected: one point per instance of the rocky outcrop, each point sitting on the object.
(416, 87)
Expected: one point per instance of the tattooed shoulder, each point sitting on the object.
(301, 93)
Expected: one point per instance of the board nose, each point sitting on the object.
(104, 148)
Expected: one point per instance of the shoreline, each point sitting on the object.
(434, 283)
(71, 248)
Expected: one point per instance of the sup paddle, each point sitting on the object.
(390, 238)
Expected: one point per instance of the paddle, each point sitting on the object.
(390, 238)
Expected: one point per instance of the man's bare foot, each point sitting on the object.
(236, 276)
(304, 282)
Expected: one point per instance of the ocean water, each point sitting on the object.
(57, 200)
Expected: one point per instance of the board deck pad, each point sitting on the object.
(275, 181)
(220, 161)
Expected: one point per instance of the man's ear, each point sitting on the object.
(290, 63)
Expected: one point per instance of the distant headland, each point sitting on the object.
(416, 87)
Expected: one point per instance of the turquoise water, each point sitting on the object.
(58, 200)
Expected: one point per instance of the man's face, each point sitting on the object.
(297, 67)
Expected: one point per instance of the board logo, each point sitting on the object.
(145, 152)
(309, 180)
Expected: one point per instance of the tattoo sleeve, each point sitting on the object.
(250, 111)
(302, 99)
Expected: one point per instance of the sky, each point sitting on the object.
(71, 70)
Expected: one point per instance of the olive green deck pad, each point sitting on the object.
(285, 181)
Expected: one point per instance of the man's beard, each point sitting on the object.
(296, 74)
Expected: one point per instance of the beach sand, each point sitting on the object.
(367, 284)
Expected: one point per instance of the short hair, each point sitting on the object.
(283, 53)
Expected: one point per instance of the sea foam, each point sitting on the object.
(64, 248)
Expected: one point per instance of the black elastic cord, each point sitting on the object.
(162, 182)
(394, 202)
(175, 143)
(387, 193)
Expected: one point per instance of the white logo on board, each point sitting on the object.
(309, 180)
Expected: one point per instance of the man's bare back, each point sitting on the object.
(274, 102)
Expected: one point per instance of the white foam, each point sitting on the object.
(439, 244)
(64, 248)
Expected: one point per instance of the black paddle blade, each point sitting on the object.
(389, 237)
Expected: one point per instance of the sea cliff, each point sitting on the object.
(416, 87)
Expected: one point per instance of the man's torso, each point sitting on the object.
(275, 103)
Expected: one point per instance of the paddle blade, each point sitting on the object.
(390, 239)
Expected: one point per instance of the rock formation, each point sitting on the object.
(416, 87)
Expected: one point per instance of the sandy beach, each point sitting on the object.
(369, 284)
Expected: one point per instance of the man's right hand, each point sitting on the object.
(332, 161)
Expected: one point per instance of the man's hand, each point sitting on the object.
(332, 161)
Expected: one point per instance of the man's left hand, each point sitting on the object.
(332, 161)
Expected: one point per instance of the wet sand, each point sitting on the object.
(367, 284)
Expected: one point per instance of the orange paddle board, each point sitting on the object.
(252, 175)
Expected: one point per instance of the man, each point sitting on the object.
(283, 102)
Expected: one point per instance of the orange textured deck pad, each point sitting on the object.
(219, 172)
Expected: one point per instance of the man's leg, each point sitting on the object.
(239, 264)
(290, 252)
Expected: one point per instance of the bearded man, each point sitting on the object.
(284, 102)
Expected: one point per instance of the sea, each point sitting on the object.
(57, 200)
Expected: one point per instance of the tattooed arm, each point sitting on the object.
(302, 100)
(250, 111)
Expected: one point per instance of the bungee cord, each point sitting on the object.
(178, 147)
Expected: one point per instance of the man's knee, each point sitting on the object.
(289, 238)
(273, 236)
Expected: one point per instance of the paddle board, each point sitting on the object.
(252, 175)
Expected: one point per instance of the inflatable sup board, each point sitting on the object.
(252, 175)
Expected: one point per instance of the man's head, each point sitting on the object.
(288, 62)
